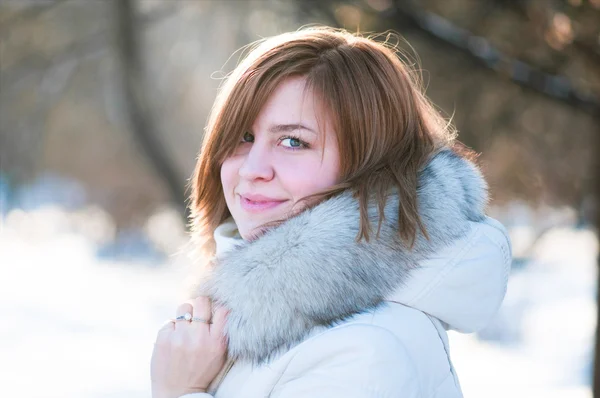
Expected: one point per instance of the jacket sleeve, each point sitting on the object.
(350, 361)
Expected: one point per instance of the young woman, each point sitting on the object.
(345, 233)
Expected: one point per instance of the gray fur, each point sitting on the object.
(310, 271)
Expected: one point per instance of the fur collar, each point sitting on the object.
(310, 271)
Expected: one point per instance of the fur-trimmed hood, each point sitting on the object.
(310, 271)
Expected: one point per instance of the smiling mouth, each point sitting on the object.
(253, 206)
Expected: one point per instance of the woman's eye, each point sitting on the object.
(248, 137)
(292, 142)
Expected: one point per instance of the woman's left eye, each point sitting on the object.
(293, 142)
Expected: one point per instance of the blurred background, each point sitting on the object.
(102, 110)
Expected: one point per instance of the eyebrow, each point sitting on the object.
(284, 128)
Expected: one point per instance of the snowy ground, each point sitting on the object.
(78, 316)
(73, 325)
(540, 344)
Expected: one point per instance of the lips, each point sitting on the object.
(257, 203)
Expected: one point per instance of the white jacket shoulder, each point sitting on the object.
(352, 360)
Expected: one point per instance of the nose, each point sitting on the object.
(257, 164)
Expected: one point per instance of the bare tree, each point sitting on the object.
(596, 171)
(140, 115)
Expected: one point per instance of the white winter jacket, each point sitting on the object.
(316, 314)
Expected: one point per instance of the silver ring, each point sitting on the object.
(185, 317)
(194, 319)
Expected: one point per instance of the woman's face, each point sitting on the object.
(280, 160)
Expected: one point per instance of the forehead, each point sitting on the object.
(293, 102)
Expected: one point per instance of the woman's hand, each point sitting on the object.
(188, 355)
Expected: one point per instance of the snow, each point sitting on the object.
(541, 342)
(75, 325)
(79, 309)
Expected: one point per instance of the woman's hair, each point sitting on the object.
(386, 128)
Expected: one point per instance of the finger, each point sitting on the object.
(217, 328)
(202, 308)
(165, 331)
(184, 308)
(168, 325)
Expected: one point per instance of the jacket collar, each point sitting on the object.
(310, 271)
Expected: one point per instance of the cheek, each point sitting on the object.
(330, 170)
(315, 176)
(229, 173)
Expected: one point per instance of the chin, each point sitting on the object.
(255, 231)
(246, 229)
(251, 234)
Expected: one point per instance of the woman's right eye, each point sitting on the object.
(247, 137)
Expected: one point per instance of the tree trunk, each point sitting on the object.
(596, 171)
(138, 110)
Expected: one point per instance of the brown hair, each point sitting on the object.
(386, 128)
